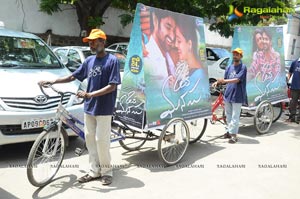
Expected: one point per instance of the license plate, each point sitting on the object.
(36, 123)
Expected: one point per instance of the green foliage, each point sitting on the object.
(51, 6)
(94, 22)
(214, 10)
(126, 19)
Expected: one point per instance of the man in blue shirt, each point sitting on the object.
(295, 88)
(102, 72)
(235, 94)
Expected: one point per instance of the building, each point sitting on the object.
(292, 36)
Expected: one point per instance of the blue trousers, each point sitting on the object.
(233, 111)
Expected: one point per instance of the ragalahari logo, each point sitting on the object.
(234, 13)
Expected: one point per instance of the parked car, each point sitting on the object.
(25, 59)
(214, 54)
(217, 71)
(217, 61)
(121, 47)
(77, 54)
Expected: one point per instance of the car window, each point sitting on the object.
(61, 52)
(221, 52)
(74, 56)
(224, 63)
(26, 53)
(87, 53)
(122, 48)
(114, 47)
(211, 55)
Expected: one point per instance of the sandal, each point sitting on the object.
(106, 180)
(233, 140)
(226, 136)
(87, 178)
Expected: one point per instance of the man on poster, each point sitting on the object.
(265, 65)
(157, 49)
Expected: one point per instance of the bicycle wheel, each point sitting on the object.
(134, 139)
(197, 128)
(263, 117)
(277, 108)
(173, 141)
(45, 157)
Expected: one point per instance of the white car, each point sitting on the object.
(24, 110)
(121, 47)
(77, 54)
(217, 70)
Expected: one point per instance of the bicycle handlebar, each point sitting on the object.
(219, 88)
(54, 89)
(62, 94)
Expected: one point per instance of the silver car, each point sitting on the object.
(77, 54)
(25, 59)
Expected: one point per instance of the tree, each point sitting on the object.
(90, 12)
(217, 11)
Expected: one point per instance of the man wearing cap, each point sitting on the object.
(235, 94)
(294, 79)
(102, 72)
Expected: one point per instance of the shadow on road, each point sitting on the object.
(5, 194)
(17, 154)
(148, 157)
(64, 183)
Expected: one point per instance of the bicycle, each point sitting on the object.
(218, 106)
(265, 113)
(48, 150)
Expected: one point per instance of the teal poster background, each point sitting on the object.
(264, 57)
(165, 72)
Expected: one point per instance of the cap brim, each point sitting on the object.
(86, 39)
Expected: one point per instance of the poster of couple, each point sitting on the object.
(264, 58)
(165, 73)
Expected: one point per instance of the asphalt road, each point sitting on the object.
(258, 166)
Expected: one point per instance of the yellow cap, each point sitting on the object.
(238, 50)
(95, 34)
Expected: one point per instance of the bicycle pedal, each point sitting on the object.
(79, 151)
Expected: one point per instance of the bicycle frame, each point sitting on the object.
(64, 117)
(215, 105)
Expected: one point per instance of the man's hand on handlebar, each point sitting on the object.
(83, 94)
(45, 83)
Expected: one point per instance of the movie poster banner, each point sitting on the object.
(264, 58)
(165, 72)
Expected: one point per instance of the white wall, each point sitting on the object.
(24, 15)
(291, 33)
(112, 24)
(213, 38)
